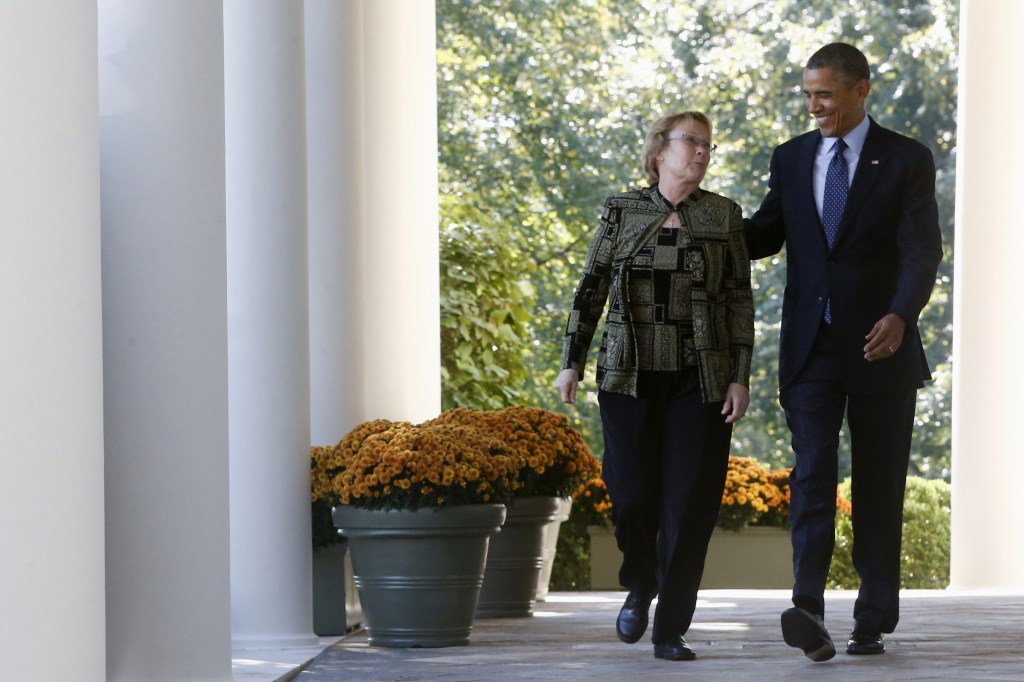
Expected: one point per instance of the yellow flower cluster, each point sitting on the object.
(844, 507)
(381, 465)
(592, 504)
(326, 462)
(753, 495)
(552, 457)
(461, 457)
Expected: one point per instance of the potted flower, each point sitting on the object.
(754, 496)
(750, 546)
(335, 602)
(552, 461)
(382, 465)
(398, 490)
(593, 504)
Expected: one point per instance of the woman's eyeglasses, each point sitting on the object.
(695, 142)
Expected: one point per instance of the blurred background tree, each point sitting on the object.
(542, 109)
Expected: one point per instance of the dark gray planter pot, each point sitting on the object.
(419, 573)
(516, 558)
(336, 608)
(551, 546)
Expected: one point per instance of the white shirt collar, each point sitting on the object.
(854, 139)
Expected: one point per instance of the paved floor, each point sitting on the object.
(943, 635)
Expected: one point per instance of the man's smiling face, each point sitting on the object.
(836, 105)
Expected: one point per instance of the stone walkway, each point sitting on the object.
(943, 635)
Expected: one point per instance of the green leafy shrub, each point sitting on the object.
(926, 514)
(925, 561)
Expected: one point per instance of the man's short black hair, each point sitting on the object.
(846, 62)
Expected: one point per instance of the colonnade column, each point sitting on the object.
(373, 211)
(164, 342)
(335, 149)
(987, 373)
(51, 390)
(401, 270)
(268, 337)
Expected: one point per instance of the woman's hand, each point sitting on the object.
(737, 399)
(566, 384)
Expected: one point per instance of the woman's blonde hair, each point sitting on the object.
(657, 139)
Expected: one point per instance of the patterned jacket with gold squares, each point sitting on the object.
(717, 301)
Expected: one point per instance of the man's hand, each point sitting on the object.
(885, 338)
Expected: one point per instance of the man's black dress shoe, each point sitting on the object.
(678, 650)
(865, 642)
(805, 630)
(632, 621)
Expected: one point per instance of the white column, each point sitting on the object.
(51, 383)
(165, 341)
(400, 286)
(335, 149)
(372, 140)
(987, 546)
(271, 552)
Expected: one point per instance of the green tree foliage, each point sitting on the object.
(543, 105)
(486, 301)
(528, 151)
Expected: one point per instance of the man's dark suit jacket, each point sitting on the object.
(884, 259)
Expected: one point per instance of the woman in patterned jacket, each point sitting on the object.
(673, 370)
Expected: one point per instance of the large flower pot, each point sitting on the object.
(551, 546)
(754, 558)
(751, 558)
(419, 573)
(515, 559)
(605, 558)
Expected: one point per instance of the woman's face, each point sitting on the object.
(686, 153)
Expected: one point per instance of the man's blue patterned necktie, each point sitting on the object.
(837, 184)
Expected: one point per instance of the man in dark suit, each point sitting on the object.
(854, 204)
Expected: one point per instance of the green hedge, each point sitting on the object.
(925, 563)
